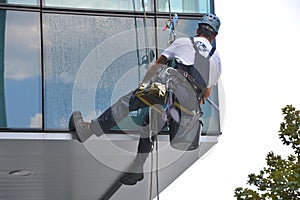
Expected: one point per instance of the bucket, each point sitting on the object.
(185, 136)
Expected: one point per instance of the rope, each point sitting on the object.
(150, 120)
(151, 173)
(170, 16)
(157, 185)
(153, 133)
(155, 138)
(146, 34)
(137, 42)
(169, 9)
(151, 152)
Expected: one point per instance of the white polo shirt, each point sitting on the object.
(183, 51)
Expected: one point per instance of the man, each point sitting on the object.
(183, 51)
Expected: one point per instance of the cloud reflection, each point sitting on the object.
(22, 47)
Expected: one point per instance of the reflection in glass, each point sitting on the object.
(24, 2)
(132, 5)
(21, 72)
(180, 6)
(89, 63)
(184, 6)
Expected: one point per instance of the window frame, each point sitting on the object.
(42, 9)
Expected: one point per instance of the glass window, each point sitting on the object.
(181, 6)
(24, 2)
(184, 6)
(90, 62)
(187, 28)
(20, 72)
(132, 5)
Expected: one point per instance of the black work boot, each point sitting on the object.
(84, 130)
(136, 171)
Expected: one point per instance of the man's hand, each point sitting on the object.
(206, 94)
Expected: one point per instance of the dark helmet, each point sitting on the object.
(212, 20)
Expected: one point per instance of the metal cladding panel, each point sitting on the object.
(66, 169)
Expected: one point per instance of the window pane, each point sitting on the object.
(20, 73)
(187, 28)
(184, 6)
(103, 4)
(90, 62)
(24, 2)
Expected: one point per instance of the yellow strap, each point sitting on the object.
(148, 103)
(140, 96)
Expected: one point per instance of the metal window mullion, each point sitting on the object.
(212, 6)
(42, 64)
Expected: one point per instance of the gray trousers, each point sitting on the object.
(121, 109)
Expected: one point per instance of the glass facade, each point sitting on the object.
(21, 69)
(131, 5)
(181, 6)
(53, 62)
(21, 2)
(87, 54)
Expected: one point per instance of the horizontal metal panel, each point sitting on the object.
(63, 168)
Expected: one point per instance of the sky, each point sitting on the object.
(258, 42)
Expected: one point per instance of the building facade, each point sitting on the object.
(57, 56)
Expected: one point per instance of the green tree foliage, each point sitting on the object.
(280, 180)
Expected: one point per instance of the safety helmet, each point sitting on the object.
(212, 20)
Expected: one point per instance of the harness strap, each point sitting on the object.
(212, 51)
(185, 71)
(197, 88)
